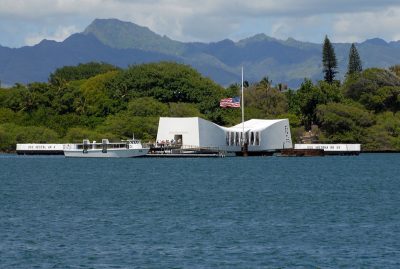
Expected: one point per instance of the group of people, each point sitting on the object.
(167, 142)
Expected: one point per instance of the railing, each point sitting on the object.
(185, 149)
(96, 146)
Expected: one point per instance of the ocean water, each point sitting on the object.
(257, 212)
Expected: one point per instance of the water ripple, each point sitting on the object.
(331, 212)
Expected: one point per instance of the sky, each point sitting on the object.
(27, 22)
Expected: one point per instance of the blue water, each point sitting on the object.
(261, 212)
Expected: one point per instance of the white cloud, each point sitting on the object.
(60, 34)
(356, 27)
(207, 20)
(38, 8)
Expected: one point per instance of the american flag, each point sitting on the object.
(230, 102)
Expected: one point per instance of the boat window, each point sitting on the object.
(227, 138)
(251, 138)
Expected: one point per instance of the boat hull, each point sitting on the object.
(116, 153)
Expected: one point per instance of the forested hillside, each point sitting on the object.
(98, 100)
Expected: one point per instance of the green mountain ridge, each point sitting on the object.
(127, 35)
(124, 43)
(287, 61)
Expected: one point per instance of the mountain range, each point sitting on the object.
(124, 43)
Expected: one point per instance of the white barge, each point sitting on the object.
(105, 149)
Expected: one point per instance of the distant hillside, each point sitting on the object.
(125, 43)
(126, 35)
(28, 64)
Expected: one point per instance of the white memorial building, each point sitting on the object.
(261, 135)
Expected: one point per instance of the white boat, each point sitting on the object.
(105, 149)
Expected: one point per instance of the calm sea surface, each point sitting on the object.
(259, 212)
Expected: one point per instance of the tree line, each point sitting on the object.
(98, 100)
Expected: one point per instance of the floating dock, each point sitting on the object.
(301, 153)
(332, 149)
(186, 155)
(40, 149)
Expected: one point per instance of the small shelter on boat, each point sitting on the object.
(260, 135)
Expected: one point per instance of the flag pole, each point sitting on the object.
(243, 137)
